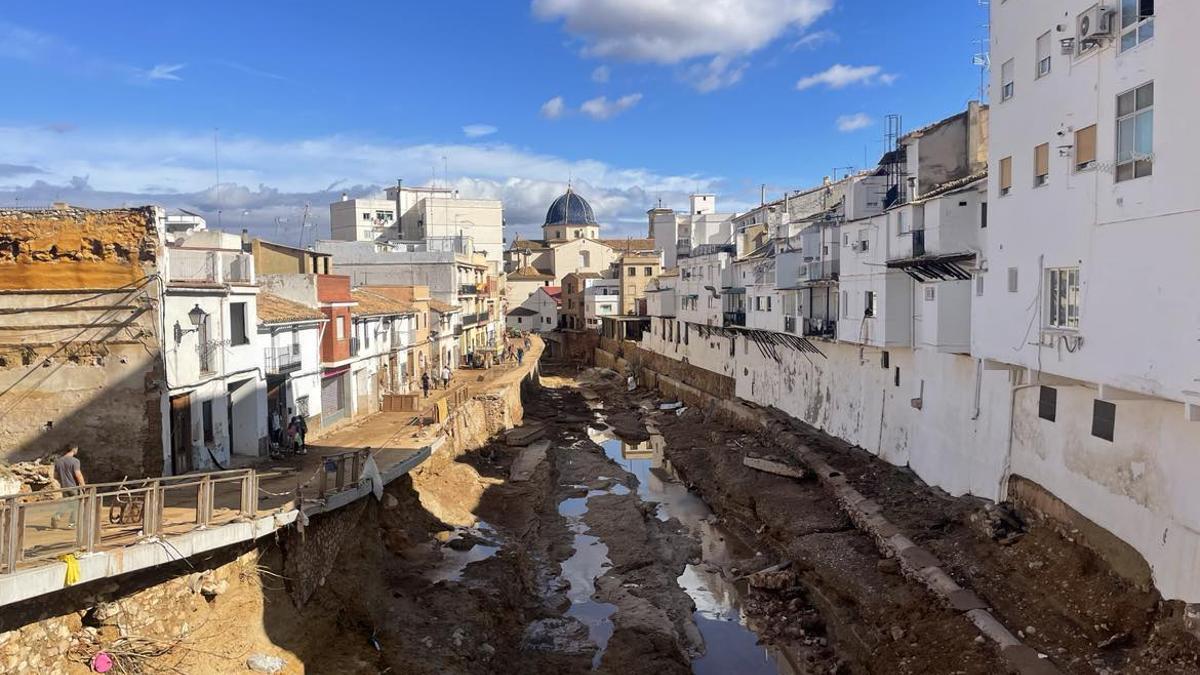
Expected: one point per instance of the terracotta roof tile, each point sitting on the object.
(274, 309)
(443, 307)
(374, 304)
(629, 244)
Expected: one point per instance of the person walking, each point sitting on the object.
(520, 356)
(425, 383)
(301, 432)
(276, 425)
(69, 474)
(445, 377)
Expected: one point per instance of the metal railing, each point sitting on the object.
(282, 359)
(46, 524)
(734, 318)
(820, 327)
(201, 265)
(468, 289)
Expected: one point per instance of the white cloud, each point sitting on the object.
(839, 76)
(816, 39)
(718, 73)
(554, 108)
(670, 32)
(848, 123)
(479, 130)
(601, 108)
(601, 74)
(165, 71)
(275, 178)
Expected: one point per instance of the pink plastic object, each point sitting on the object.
(102, 662)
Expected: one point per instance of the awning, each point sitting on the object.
(334, 372)
(935, 267)
(767, 341)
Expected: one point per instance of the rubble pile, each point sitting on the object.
(32, 476)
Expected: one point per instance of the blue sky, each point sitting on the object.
(115, 103)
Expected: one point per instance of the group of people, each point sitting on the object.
(427, 381)
(288, 438)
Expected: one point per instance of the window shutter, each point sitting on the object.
(1041, 160)
(1085, 146)
(1006, 173)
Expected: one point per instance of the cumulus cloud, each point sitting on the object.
(848, 123)
(479, 130)
(554, 108)
(718, 73)
(165, 71)
(600, 108)
(671, 32)
(839, 76)
(273, 179)
(601, 74)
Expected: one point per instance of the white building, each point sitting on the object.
(705, 285)
(383, 329)
(676, 234)
(217, 403)
(290, 335)
(416, 214)
(601, 297)
(1091, 274)
(539, 313)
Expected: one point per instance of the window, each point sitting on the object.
(901, 223)
(341, 327)
(757, 304)
(630, 271)
(884, 360)
(302, 406)
(869, 303)
(1135, 133)
(367, 217)
(1048, 403)
(207, 413)
(1006, 80)
(649, 271)
(685, 334)
(1005, 176)
(1085, 148)
(1043, 55)
(983, 214)
(1062, 297)
(1041, 164)
(930, 293)
(1104, 419)
(768, 303)
(1137, 22)
(237, 324)
(1012, 280)
(979, 284)
(845, 304)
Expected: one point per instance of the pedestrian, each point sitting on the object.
(520, 356)
(527, 342)
(425, 383)
(276, 425)
(292, 430)
(445, 377)
(69, 474)
(301, 431)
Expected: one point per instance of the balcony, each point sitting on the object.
(474, 319)
(683, 248)
(734, 318)
(820, 270)
(469, 289)
(825, 328)
(281, 360)
(186, 265)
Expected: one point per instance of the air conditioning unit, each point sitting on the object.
(1094, 23)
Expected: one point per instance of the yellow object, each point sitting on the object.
(72, 568)
(442, 410)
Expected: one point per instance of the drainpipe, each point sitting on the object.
(1012, 414)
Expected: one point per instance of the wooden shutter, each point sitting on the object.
(1041, 160)
(1006, 173)
(1085, 146)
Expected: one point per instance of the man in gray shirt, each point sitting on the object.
(69, 475)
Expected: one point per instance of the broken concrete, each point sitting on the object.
(777, 468)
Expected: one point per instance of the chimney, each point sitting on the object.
(345, 197)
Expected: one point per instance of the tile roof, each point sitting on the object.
(443, 307)
(553, 291)
(522, 311)
(950, 186)
(629, 244)
(531, 244)
(274, 309)
(529, 272)
(375, 304)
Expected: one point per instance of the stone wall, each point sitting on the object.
(646, 365)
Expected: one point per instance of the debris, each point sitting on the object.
(888, 566)
(524, 435)
(897, 633)
(777, 468)
(101, 662)
(773, 578)
(527, 462)
(676, 405)
(1117, 640)
(263, 663)
(679, 412)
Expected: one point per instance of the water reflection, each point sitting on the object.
(454, 562)
(581, 569)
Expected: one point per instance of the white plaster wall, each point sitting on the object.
(1141, 486)
(712, 354)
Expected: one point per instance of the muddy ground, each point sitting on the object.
(640, 543)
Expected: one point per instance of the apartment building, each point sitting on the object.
(675, 234)
(1090, 257)
(635, 270)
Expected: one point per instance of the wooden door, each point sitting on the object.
(181, 434)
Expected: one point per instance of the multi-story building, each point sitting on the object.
(416, 214)
(706, 290)
(1090, 271)
(383, 331)
(635, 270)
(676, 234)
(574, 285)
(601, 298)
(540, 313)
(290, 335)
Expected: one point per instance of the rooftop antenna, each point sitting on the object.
(982, 57)
(303, 225)
(217, 164)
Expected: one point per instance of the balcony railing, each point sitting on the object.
(734, 318)
(214, 267)
(683, 247)
(473, 319)
(820, 270)
(469, 289)
(820, 328)
(789, 324)
(918, 243)
(283, 359)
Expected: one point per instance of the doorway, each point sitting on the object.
(181, 434)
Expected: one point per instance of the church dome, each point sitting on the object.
(570, 209)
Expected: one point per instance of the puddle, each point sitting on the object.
(454, 562)
(731, 646)
(589, 561)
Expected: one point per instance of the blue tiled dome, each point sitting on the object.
(570, 209)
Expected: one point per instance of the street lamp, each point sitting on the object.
(196, 316)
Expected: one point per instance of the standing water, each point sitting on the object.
(731, 646)
(581, 569)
